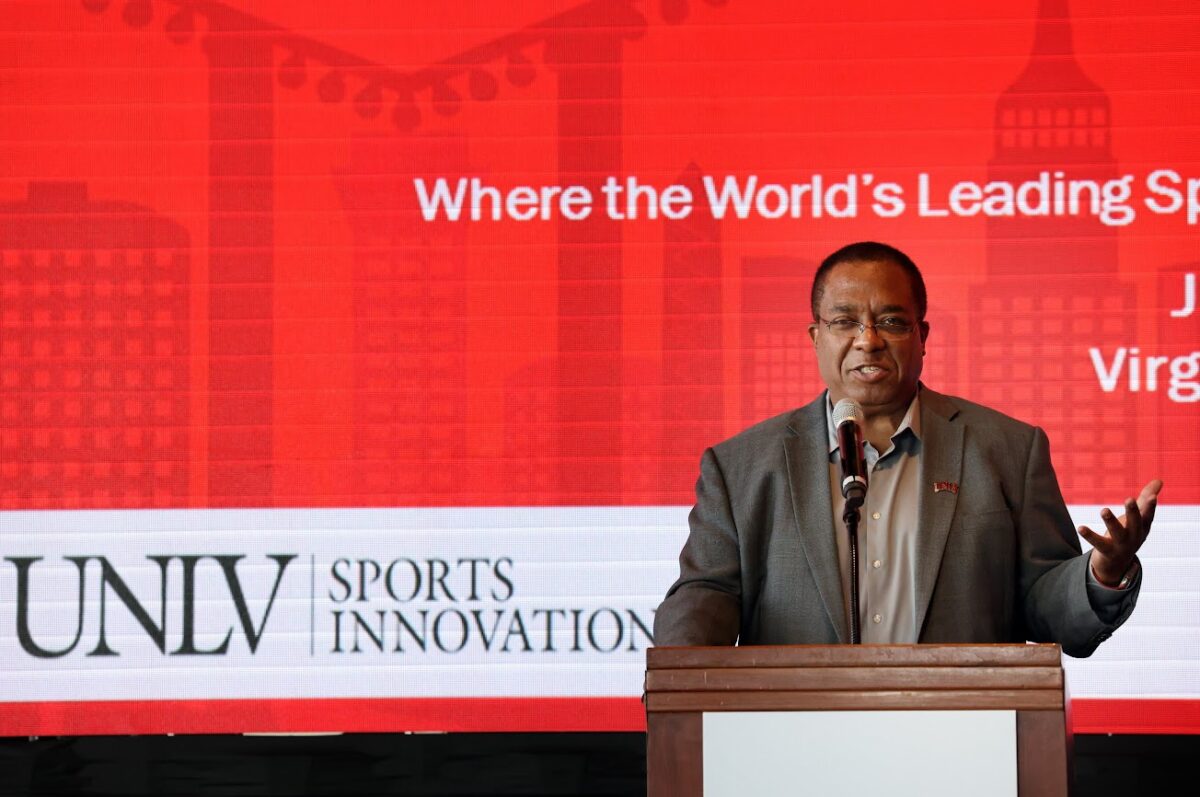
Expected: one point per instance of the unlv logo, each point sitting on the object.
(112, 582)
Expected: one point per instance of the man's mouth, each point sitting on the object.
(869, 372)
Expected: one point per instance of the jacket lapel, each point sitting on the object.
(807, 452)
(941, 462)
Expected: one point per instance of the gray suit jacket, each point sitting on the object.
(999, 561)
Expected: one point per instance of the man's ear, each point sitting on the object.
(924, 326)
(812, 332)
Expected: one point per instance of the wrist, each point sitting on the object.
(1122, 580)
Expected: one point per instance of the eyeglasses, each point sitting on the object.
(888, 328)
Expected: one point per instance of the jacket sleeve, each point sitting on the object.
(1056, 603)
(703, 606)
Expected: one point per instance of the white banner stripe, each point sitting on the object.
(392, 603)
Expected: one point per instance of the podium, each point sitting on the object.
(731, 714)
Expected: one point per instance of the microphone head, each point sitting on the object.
(847, 410)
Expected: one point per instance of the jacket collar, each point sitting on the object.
(807, 454)
(941, 463)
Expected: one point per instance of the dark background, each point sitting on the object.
(454, 764)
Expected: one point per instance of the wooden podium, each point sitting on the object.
(683, 685)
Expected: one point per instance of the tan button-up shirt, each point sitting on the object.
(887, 531)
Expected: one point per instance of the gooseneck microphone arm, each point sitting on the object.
(850, 516)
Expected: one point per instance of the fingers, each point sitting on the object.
(1120, 530)
(1148, 502)
(1130, 523)
(1129, 531)
(1098, 541)
(1151, 490)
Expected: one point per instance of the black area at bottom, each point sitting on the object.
(455, 764)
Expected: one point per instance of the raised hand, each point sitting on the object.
(1114, 552)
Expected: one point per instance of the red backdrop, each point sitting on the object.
(218, 289)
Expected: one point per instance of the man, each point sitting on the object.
(964, 534)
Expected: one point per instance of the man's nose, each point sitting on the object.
(868, 339)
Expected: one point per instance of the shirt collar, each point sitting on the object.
(911, 421)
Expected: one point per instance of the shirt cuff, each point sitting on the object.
(1132, 574)
(1107, 601)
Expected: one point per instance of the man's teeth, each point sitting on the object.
(869, 369)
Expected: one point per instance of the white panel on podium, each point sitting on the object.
(893, 753)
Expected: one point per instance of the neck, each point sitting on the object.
(879, 429)
(880, 423)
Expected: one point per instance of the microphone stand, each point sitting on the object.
(850, 516)
(848, 417)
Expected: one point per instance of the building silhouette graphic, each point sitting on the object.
(599, 393)
(410, 323)
(778, 367)
(1051, 286)
(94, 325)
(693, 406)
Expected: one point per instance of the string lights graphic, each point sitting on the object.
(372, 86)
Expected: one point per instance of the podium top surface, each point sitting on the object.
(994, 655)
(854, 677)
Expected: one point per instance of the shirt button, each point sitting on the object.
(875, 516)
(877, 564)
(877, 619)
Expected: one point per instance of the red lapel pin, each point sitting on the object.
(945, 487)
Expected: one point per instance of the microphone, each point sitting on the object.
(847, 420)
